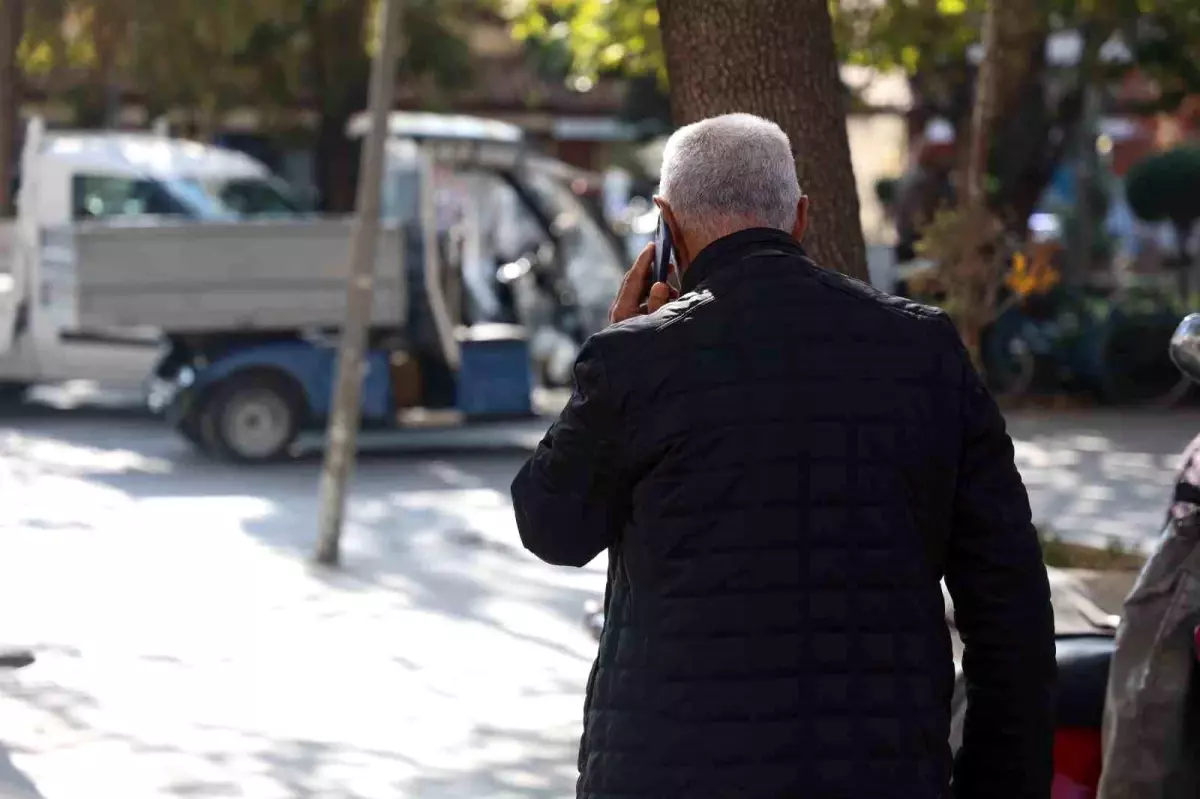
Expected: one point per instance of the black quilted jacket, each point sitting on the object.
(782, 465)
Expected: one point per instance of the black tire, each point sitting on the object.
(273, 399)
(189, 428)
(1013, 377)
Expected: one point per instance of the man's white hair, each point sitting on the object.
(730, 172)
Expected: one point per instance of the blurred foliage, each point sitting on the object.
(1060, 554)
(928, 39)
(906, 35)
(1139, 329)
(1167, 47)
(1166, 186)
(212, 56)
(1033, 275)
(597, 36)
(217, 54)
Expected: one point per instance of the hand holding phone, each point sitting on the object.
(664, 253)
(640, 292)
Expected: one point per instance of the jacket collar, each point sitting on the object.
(734, 248)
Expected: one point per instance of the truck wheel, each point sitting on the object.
(190, 429)
(252, 418)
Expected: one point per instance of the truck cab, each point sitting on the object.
(109, 178)
(73, 176)
(516, 242)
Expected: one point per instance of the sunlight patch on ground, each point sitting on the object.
(187, 647)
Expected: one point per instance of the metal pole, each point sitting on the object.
(342, 437)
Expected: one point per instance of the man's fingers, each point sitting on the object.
(633, 287)
(660, 295)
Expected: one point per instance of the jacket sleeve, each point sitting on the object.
(1002, 608)
(571, 498)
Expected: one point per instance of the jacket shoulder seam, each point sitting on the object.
(897, 305)
(699, 299)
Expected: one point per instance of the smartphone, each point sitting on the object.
(664, 253)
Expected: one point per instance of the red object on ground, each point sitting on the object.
(1077, 761)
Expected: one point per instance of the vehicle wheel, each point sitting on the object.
(1010, 375)
(252, 418)
(190, 428)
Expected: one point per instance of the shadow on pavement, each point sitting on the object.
(13, 783)
(1101, 476)
(542, 776)
(430, 549)
(434, 580)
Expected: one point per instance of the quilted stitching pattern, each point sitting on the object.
(779, 632)
(775, 625)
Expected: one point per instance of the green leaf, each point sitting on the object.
(952, 7)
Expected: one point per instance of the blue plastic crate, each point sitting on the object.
(494, 376)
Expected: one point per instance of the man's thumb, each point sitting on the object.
(660, 295)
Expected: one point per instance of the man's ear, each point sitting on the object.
(682, 257)
(801, 219)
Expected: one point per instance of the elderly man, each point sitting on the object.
(782, 464)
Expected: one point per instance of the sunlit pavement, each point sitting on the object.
(186, 648)
(1101, 477)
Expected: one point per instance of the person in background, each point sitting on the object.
(782, 464)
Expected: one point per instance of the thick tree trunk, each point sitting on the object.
(12, 24)
(774, 58)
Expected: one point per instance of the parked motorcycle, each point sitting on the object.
(1083, 664)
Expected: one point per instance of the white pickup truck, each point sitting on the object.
(122, 239)
(103, 181)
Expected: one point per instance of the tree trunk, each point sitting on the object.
(776, 59)
(335, 164)
(1011, 28)
(12, 25)
(964, 244)
(342, 434)
(108, 37)
(338, 72)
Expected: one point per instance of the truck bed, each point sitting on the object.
(189, 277)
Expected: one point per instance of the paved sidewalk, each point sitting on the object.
(1098, 476)
(186, 649)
